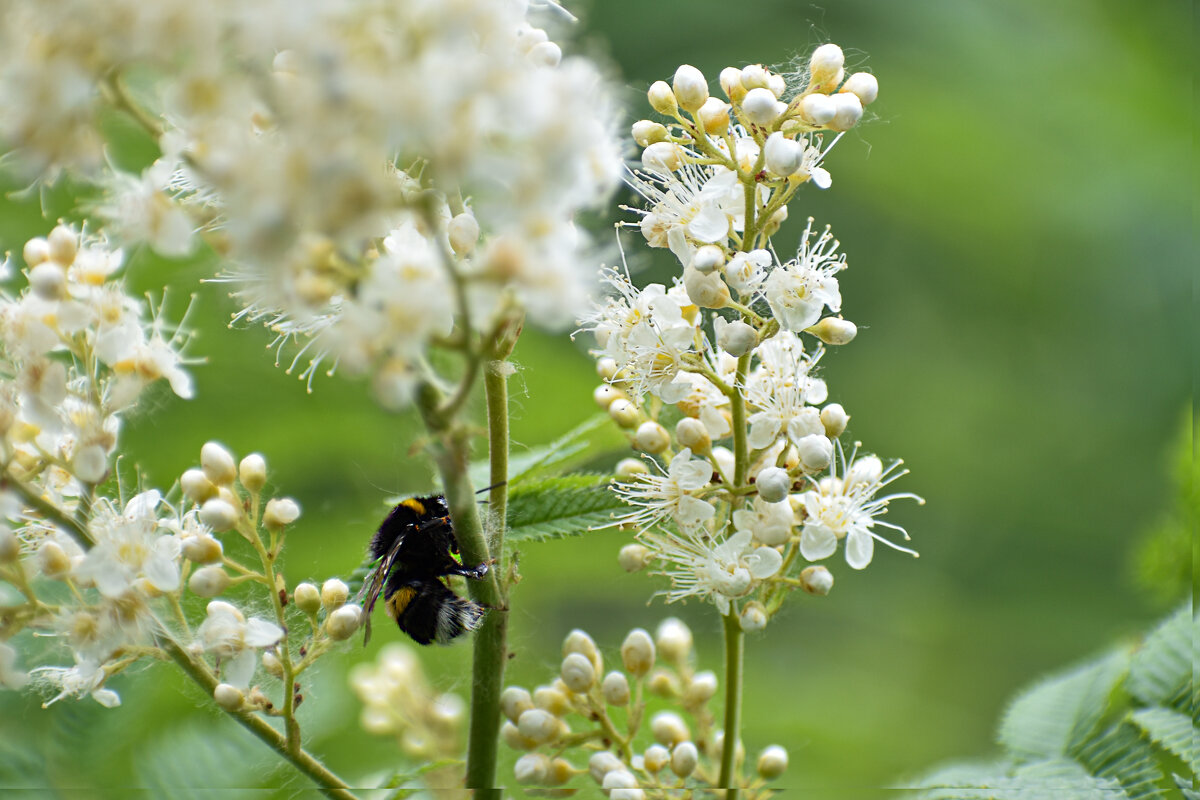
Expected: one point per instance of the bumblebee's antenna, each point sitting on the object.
(489, 488)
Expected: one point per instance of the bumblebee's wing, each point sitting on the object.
(373, 586)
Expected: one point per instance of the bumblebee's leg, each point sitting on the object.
(474, 573)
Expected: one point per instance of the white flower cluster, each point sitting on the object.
(345, 156)
(712, 377)
(609, 710)
(398, 701)
(109, 589)
(75, 353)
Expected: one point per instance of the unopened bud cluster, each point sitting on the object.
(742, 478)
(398, 701)
(594, 721)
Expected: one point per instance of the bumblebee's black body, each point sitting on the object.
(415, 551)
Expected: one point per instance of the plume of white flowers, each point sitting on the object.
(715, 377)
(307, 141)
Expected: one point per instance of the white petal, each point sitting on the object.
(693, 511)
(764, 429)
(260, 633)
(107, 698)
(821, 178)
(764, 562)
(817, 542)
(240, 669)
(709, 226)
(860, 546)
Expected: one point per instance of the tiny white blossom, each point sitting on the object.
(798, 290)
(228, 635)
(716, 572)
(673, 495)
(85, 678)
(847, 508)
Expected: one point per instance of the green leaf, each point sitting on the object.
(1188, 787)
(1121, 753)
(197, 761)
(23, 767)
(1049, 779)
(1059, 713)
(539, 460)
(1160, 673)
(552, 508)
(1173, 732)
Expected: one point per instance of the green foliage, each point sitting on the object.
(1166, 557)
(569, 505)
(545, 459)
(197, 759)
(1119, 726)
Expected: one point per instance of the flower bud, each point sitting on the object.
(202, 549)
(655, 758)
(692, 434)
(538, 725)
(651, 438)
(514, 739)
(848, 111)
(783, 155)
(865, 469)
(817, 109)
(773, 484)
(307, 598)
(737, 338)
(607, 368)
(816, 580)
(228, 697)
(218, 515)
(669, 728)
(684, 759)
(218, 464)
(702, 689)
(637, 653)
(624, 413)
(528, 37)
(343, 622)
(835, 419)
(615, 688)
(53, 561)
(48, 280)
(663, 683)
(753, 617)
(662, 157)
(760, 107)
(714, 116)
(578, 673)
(674, 640)
(10, 547)
(633, 558)
(208, 581)
(776, 84)
(731, 83)
(662, 99)
(252, 472)
(604, 395)
(532, 768)
(514, 701)
(815, 451)
(334, 593)
(36, 251)
(706, 291)
(551, 700)
(691, 88)
(708, 258)
(773, 762)
(602, 763)
(834, 330)
(463, 231)
(545, 54)
(63, 245)
(647, 132)
(864, 85)
(825, 65)
(754, 76)
(280, 512)
(196, 486)
(578, 641)
(628, 467)
(618, 779)
(272, 664)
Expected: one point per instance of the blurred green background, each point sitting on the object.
(1017, 222)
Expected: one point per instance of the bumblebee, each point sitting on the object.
(414, 551)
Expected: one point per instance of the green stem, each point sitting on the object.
(329, 784)
(451, 451)
(48, 510)
(737, 408)
(733, 704)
